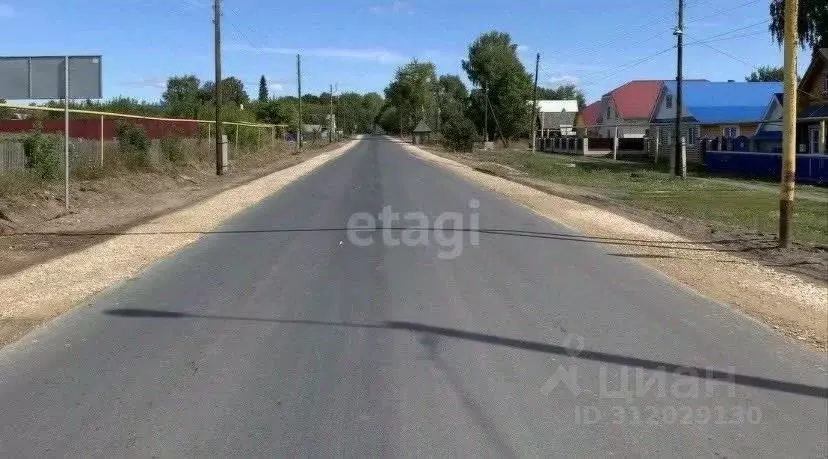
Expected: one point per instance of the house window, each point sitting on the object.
(730, 132)
(666, 136)
(692, 135)
(669, 101)
(609, 112)
(825, 81)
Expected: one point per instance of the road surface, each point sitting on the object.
(492, 333)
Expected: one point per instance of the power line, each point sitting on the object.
(752, 34)
(725, 10)
(705, 44)
(765, 22)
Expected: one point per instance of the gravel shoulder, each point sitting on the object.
(792, 304)
(77, 255)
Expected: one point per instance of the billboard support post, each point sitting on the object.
(40, 77)
(66, 130)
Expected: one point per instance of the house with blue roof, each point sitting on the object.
(812, 111)
(812, 106)
(768, 138)
(714, 109)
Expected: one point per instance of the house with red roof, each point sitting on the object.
(586, 121)
(629, 109)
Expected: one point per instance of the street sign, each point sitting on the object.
(44, 77)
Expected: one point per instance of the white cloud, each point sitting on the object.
(147, 82)
(276, 87)
(378, 55)
(522, 48)
(395, 7)
(563, 79)
(7, 11)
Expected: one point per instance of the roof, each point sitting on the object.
(815, 111)
(547, 106)
(815, 61)
(637, 99)
(768, 135)
(422, 126)
(554, 120)
(711, 102)
(590, 113)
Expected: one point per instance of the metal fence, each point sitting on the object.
(103, 142)
(12, 157)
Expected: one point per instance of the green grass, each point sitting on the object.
(13, 183)
(645, 186)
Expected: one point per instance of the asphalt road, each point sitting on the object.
(282, 334)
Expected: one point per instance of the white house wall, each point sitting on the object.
(667, 113)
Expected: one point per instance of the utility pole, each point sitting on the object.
(485, 113)
(533, 131)
(437, 90)
(331, 120)
(219, 129)
(300, 128)
(788, 182)
(679, 171)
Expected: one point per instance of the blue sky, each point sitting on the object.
(357, 44)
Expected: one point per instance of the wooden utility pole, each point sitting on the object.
(485, 112)
(788, 181)
(679, 138)
(331, 120)
(533, 131)
(300, 127)
(219, 129)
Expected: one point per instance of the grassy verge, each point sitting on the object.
(649, 187)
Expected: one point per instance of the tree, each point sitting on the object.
(181, 97)
(454, 97)
(459, 133)
(372, 104)
(494, 65)
(232, 91)
(277, 112)
(413, 93)
(813, 22)
(563, 92)
(766, 73)
(263, 89)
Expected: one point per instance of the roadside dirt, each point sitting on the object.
(787, 291)
(35, 227)
(51, 260)
(805, 260)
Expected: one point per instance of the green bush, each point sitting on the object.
(173, 149)
(134, 145)
(459, 133)
(42, 155)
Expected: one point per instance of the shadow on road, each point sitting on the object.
(659, 244)
(654, 365)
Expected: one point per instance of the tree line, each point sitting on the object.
(497, 106)
(186, 96)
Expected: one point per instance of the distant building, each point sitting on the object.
(422, 133)
(586, 121)
(548, 106)
(629, 109)
(555, 118)
(812, 130)
(712, 110)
